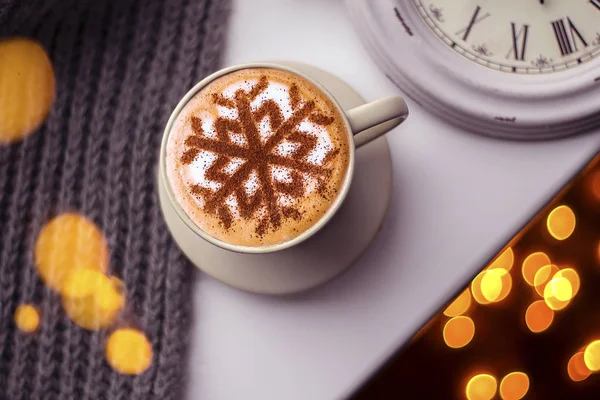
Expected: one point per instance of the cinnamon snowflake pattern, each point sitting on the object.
(256, 156)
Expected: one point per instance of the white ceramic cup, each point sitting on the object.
(364, 124)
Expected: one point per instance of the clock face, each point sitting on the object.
(518, 36)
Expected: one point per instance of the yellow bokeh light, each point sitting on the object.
(591, 356)
(481, 387)
(505, 260)
(558, 293)
(128, 351)
(572, 276)
(460, 305)
(514, 386)
(538, 316)
(532, 265)
(91, 299)
(598, 252)
(67, 242)
(458, 332)
(491, 284)
(27, 318)
(577, 369)
(27, 88)
(561, 222)
(561, 288)
(543, 276)
(496, 285)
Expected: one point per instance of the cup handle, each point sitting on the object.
(372, 120)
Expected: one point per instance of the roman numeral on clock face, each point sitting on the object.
(596, 3)
(567, 36)
(519, 41)
(475, 19)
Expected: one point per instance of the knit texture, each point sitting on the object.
(121, 67)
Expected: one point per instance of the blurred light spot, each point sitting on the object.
(514, 386)
(491, 284)
(572, 276)
(596, 184)
(460, 305)
(27, 88)
(27, 318)
(532, 265)
(496, 285)
(538, 316)
(481, 387)
(591, 356)
(561, 222)
(561, 288)
(504, 260)
(128, 351)
(598, 252)
(67, 242)
(91, 299)
(543, 276)
(458, 332)
(577, 369)
(476, 289)
(558, 293)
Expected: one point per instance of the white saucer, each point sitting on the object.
(329, 252)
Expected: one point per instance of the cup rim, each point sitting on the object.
(312, 230)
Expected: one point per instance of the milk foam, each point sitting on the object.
(280, 93)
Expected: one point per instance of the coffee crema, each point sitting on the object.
(257, 156)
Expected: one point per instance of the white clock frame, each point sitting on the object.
(469, 95)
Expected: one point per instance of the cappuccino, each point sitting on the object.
(257, 156)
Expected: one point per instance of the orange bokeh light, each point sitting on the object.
(128, 351)
(514, 386)
(91, 299)
(532, 265)
(481, 387)
(66, 243)
(577, 369)
(458, 332)
(561, 222)
(27, 88)
(543, 276)
(27, 318)
(538, 316)
(476, 289)
(460, 305)
(505, 260)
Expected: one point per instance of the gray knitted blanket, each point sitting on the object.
(121, 67)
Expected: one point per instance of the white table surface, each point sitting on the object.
(456, 198)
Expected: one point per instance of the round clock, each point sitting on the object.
(523, 69)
